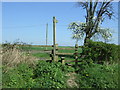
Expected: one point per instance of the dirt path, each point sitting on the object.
(71, 81)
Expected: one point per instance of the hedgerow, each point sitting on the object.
(101, 52)
(97, 76)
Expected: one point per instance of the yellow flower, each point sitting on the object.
(87, 75)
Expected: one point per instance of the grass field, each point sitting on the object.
(40, 52)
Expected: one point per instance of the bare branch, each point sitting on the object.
(95, 5)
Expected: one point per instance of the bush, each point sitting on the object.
(44, 75)
(98, 76)
(51, 75)
(18, 77)
(101, 52)
(12, 56)
(19, 45)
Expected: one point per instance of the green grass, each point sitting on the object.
(41, 55)
(70, 51)
(36, 48)
(50, 48)
(46, 55)
(48, 75)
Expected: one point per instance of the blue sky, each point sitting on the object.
(27, 21)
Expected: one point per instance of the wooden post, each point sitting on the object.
(63, 60)
(54, 30)
(76, 54)
(46, 34)
(54, 39)
(56, 56)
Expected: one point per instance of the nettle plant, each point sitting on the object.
(51, 75)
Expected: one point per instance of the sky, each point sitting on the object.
(27, 21)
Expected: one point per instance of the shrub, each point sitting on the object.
(98, 76)
(19, 45)
(101, 52)
(18, 77)
(91, 75)
(51, 75)
(13, 56)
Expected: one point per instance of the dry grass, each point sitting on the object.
(12, 57)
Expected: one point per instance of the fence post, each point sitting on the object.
(76, 54)
(54, 40)
(63, 60)
(56, 51)
(46, 34)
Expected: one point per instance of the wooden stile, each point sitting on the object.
(76, 56)
(66, 48)
(63, 60)
(65, 53)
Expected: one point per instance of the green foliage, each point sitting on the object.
(118, 51)
(54, 75)
(44, 75)
(19, 77)
(51, 75)
(98, 76)
(91, 75)
(100, 52)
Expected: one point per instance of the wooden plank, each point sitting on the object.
(48, 50)
(63, 60)
(33, 51)
(65, 53)
(47, 60)
(76, 54)
(56, 56)
(66, 48)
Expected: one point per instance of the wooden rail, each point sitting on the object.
(65, 53)
(54, 53)
(66, 48)
(41, 51)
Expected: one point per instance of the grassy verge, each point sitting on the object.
(19, 72)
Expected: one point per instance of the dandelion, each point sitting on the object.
(87, 75)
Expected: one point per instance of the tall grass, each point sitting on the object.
(12, 56)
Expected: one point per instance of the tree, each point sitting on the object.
(96, 13)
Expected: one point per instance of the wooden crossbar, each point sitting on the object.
(65, 53)
(66, 48)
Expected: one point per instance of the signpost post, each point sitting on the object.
(55, 57)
